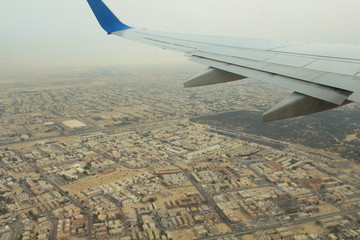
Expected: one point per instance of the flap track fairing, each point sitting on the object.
(296, 105)
(211, 76)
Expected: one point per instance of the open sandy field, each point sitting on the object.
(93, 182)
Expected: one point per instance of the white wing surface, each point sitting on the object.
(322, 76)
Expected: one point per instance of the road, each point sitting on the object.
(239, 189)
(123, 216)
(277, 225)
(80, 132)
(73, 200)
(125, 127)
(251, 138)
(54, 226)
(204, 195)
(18, 230)
(2, 121)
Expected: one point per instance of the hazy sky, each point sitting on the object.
(53, 33)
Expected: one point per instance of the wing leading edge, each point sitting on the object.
(322, 76)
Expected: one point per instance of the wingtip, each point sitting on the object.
(106, 18)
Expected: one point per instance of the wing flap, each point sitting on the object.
(348, 82)
(345, 68)
(335, 96)
(334, 81)
(240, 53)
(290, 60)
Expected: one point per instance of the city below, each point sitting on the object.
(111, 153)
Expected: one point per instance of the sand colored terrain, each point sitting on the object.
(185, 234)
(134, 206)
(350, 137)
(78, 238)
(29, 145)
(173, 194)
(243, 217)
(93, 182)
(223, 228)
(163, 197)
(353, 169)
(309, 228)
(324, 209)
(248, 237)
(328, 154)
(32, 175)
(318, 173)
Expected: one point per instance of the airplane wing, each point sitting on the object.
(322, 76)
